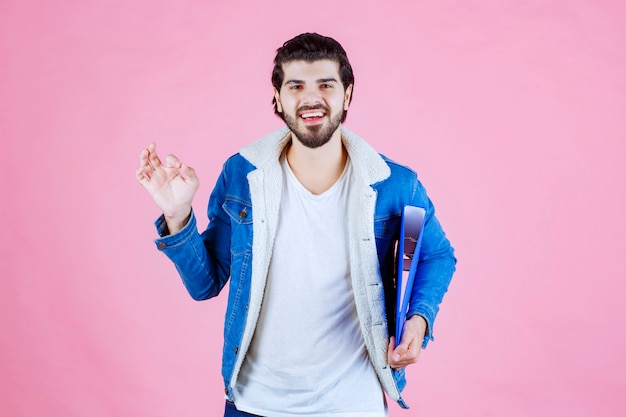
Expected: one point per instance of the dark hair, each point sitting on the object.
(311, 47)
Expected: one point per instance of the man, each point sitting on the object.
(303, 222)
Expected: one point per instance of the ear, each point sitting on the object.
(346, 99)
(279, 105)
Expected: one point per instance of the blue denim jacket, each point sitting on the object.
(238, 244)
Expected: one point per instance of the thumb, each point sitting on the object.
(395, 352)
(172, 161)
(189, 174)
(187, 170)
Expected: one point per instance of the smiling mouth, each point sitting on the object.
(312, 115)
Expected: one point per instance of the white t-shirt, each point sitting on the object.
(308, 356)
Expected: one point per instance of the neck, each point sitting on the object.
(317, 169)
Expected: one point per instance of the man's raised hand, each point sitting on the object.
(172, 185)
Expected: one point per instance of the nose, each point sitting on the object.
(311, 97)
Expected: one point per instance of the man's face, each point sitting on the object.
(312, 100)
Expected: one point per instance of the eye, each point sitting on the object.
(326, 85)
(295, 87)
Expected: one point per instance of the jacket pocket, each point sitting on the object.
(240, 214)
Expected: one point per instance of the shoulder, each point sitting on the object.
(403, 183)
(399, 172)
(237, 162)
(236, 165)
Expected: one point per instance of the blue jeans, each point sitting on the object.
(231, 411)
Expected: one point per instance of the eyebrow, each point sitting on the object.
(319, 81)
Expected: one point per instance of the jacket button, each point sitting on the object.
(226, 391)
(236, 350)
(243, 213)
(161, 245)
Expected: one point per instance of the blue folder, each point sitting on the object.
(408, 251)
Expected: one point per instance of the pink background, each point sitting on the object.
(513, 112)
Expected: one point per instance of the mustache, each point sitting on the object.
(322, 107)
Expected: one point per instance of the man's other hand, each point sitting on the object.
(408, 351)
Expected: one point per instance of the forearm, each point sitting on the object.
(431, 283)
(203, 272)
(437, 264)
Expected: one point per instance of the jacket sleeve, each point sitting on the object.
(202, 261)
(436, 265)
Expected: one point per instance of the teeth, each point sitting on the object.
(313, 114)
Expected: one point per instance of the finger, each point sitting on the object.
(411, 335)
(189, 174)
(402, 355)
(171, 161)
(390, 349)
(148, 157)
(154, 157)
(143, 157)
(409, 355)
(142, 175)
(398, 353)
(393, 355)
(405, 343)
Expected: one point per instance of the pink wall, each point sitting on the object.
(512, 111)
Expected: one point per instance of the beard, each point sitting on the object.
(313, 136)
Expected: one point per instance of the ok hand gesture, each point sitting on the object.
(172, 185)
